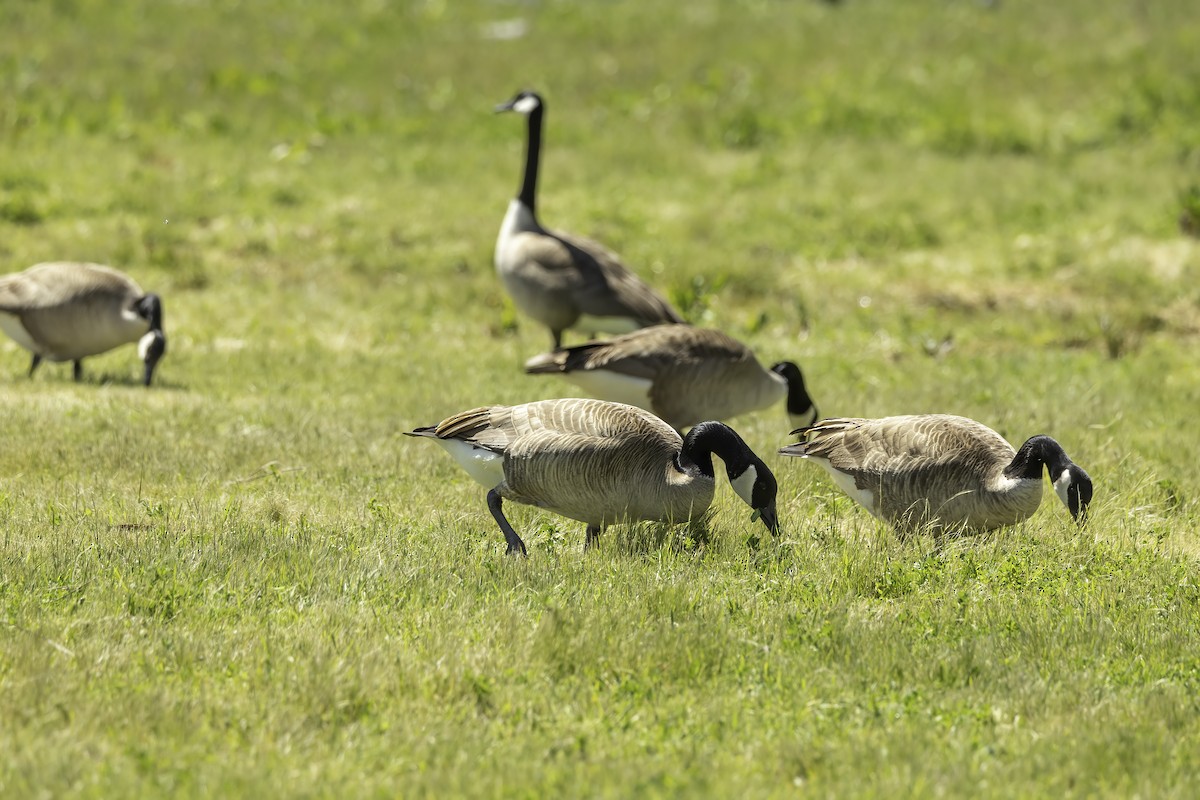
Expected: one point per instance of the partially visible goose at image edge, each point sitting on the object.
(940, 471)
(66, 311)
(600, 463)
(683, 374)
(560, 280)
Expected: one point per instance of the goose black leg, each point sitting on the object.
(515, 545)
(34, 364)
(557, 340)
(78, 371)
(593, 536)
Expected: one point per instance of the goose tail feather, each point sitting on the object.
(547, 363)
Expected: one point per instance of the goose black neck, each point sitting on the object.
(533, 149)
(707, 438)
(798, 401)
(1036, 453)
(150, 307)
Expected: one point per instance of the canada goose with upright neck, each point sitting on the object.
(599, 463)
(565, 281)
(66, 311)
(941, 471)
(683, 374)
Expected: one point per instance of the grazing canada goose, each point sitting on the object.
(599, 463)
(65, 311)
(941, 471)
(682, 374)
(560, 280)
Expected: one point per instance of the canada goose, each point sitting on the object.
(941, 471)
(65, 311)
(599, 463)
(560, 280)
(682, 374)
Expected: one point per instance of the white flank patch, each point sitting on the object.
(526, 105)
(16, 331)
(484, 466)
(616, 325)
(612, 386)
(846, 483)
(1006, 484)
(744, 485)
(1061, 484)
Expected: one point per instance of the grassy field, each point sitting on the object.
(245, 582)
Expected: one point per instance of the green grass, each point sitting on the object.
(244, 581)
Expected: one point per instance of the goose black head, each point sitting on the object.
(153, 344)
(750, 477)
(523, 102)
(756, 485)
(1074, 487)
(800, 407)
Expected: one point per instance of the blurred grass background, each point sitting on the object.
(244, 581)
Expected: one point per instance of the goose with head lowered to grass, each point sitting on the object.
(683, 374)
(565, 281)
(939, 471)
(600, 463)
(66, 311)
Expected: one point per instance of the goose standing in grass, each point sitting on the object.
(683, 374)
(941, 471)
(65, 311)
(599, 463)
(565, 281)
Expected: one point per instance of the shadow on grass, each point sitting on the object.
(112, 379)
(644, 538)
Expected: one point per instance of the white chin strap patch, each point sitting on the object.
(144, 344)
(1061, 484)
(744, 485)
(526, 105)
